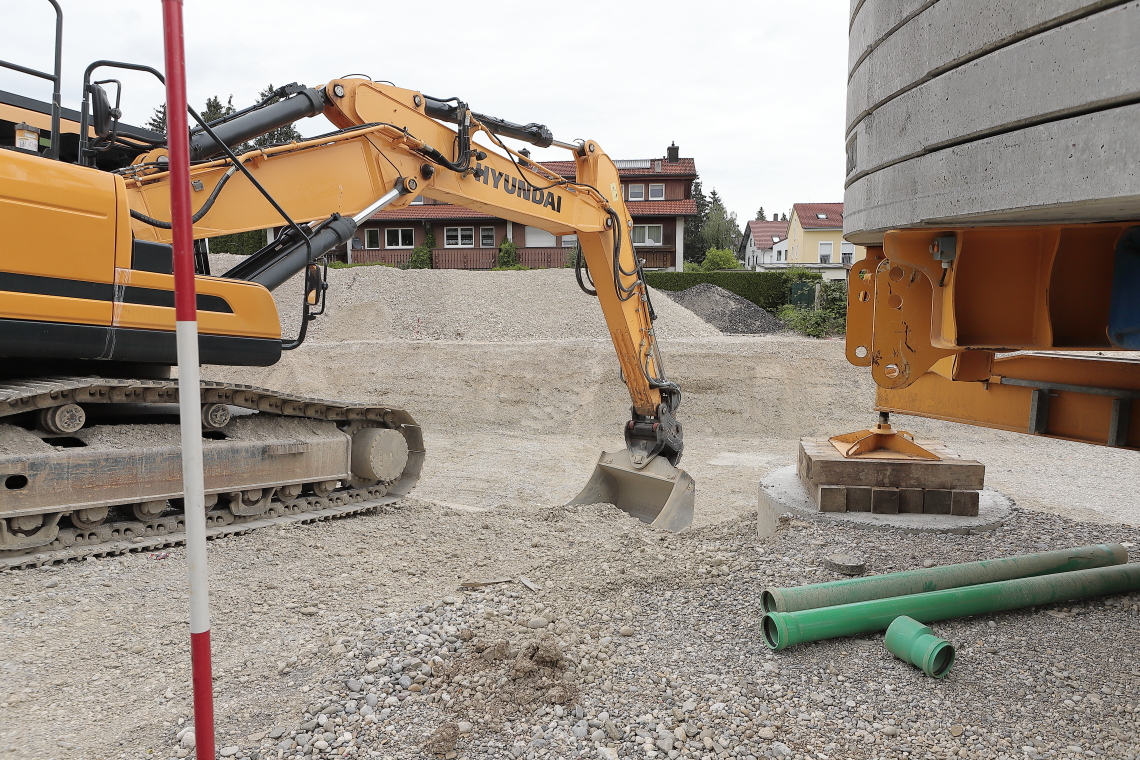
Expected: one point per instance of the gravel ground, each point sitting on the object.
(651, 639)
(728, 312)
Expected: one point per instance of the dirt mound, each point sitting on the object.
(727, 311)
(384, 303)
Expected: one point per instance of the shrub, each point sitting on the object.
(239, 243)
(719, 258)
(829, 318)
(420, 258)
(508, 255)
(768, 290)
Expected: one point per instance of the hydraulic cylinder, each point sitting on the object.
(783, 629)
(795, 598)
(914, 643)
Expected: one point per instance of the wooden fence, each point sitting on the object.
(381, 256)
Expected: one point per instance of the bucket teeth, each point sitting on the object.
(658, 493)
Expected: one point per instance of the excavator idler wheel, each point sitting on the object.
(215, 416)
(89, 518)
(252, 502)
(323, 488)
(61, 420)
(290, 493)
(25, 523)
(148, 510)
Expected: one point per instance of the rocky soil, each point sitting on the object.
(358, 638)
(726, 311)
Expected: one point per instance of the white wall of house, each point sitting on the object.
(679, 260)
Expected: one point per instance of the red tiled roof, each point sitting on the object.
(683, 167)
(662, 208)
(763, 232)
(809, 219)
(431, 211)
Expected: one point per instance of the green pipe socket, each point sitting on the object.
(796, 598)
(783, 629)
(915, 644)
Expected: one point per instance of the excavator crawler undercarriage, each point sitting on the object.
(91, 465)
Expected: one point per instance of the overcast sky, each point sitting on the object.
(753, 90)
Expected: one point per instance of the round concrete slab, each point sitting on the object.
(786, 494)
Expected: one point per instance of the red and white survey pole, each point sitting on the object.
(189, 395)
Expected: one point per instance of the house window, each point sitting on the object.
(403, 237)
(825, 251)
(569, 241)
(647, 234)
(417, 201)
(372, 238)
(458, 237)
(847, 251)
(821, 216)
(657, 192)
(637, 192)
(486, 237)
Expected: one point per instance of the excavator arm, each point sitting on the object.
(393, 144)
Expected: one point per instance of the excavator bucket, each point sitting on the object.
(659, 494)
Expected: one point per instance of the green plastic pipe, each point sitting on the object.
(796, 598)
(915, 644)
(783, 629)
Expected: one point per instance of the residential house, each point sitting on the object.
(657, 191)
(757, 245)
(815, 241)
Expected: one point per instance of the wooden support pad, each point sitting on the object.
(947, 486)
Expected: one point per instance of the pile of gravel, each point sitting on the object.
(384, 303)
(727, 311)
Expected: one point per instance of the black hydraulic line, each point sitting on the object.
(578, 275)
(209, 142)
(197, 216)
(535, 134)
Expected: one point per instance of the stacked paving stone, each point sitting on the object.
(946, 486)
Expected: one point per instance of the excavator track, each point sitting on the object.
(112, 488)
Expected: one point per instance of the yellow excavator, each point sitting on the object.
(89, 455)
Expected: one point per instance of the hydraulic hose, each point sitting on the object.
(783, 629)
(795, 598)
(197, 216)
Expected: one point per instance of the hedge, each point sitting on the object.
(768, 290)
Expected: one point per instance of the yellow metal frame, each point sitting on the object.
(933, 334)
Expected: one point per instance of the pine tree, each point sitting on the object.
(761, 216)
(214, 109)
(784, 218)
(694, 226)
(287, 133)
(157, 120)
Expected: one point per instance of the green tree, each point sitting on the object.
(508, 254)
(719, 258)
(283, 134)
(694, 225)
(783, 217)
(215, 110)
(157, 120)
(760, 215)
(721, 230)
